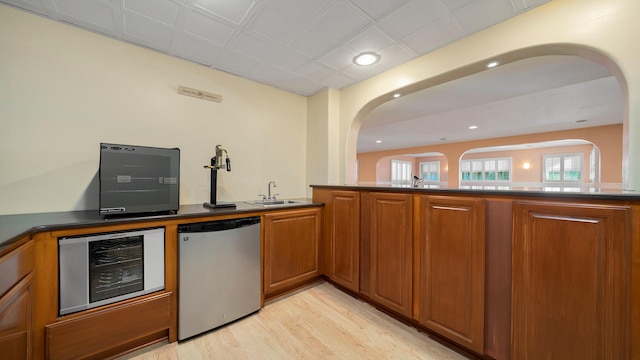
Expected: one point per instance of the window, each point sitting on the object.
(594, 165)
(485, 170)
(562, 167)
(430, 171)
(401, 173)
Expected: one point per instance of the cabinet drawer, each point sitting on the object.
(15, 265)
(15, 321)
(111, 331)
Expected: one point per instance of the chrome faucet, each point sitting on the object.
(265, 198)
(269, 190)
(416, 181)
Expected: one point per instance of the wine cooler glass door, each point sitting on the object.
(116, 267)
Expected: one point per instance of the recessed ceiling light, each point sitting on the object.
(443, 139)
(366, 59)
(580, 121)
(396, 95)
(472, 127)
(378, 141)
(493, 63)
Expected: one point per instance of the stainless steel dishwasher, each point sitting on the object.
(219, 273)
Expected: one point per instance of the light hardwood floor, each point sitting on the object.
(318, 322)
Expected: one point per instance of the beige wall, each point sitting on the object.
(606, 138)
(65, 90)
(595, 29)
(323, 120)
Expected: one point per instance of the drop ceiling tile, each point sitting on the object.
(232, 10)
(338, 80)
(197, 49)
(519, 5)
(371, 39)
(267, 73)
(410, 18)
(534, 3)
(315, 71)
(340, 22)
(297, 9)
(147, 32)
(395, 55)
(453, 5)
(482, 14)
(338, 58)
(97, 14)
(208, 28)
(274, 25)
(289, 60)
(165, 11)
(311, 44)
(300, 85)
(236, 63)
(363, 72)
(255, 47)
(202, 31)
(31, 5)
(442, 32)
(378, 9)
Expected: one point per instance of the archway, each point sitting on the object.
(476, 68)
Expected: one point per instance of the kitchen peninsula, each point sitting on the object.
(503, 274)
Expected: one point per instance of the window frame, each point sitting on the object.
(562, 171)
(428, 163)
(401, 164)
(476, 171)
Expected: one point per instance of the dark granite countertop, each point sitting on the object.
(543, 192)
(14, 227)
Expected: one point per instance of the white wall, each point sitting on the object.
(65, 90)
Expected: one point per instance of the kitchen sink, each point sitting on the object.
(270, 203)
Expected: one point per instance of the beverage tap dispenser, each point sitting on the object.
(217, 163)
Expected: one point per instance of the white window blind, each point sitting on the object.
(430, 171)
(400, 172)
(485, 170)
(562, 167)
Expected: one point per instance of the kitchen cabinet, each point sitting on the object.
(452, 268)
(110, 331)
(341, 236)
(16, 297)
(291, 249)
(30, 324)
(390, 257)
(571, 281)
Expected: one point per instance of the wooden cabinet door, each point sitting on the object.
(452, 268)
(571, 281)
(343, 215)
(291, 240)
(391, 240)
(16, 299)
